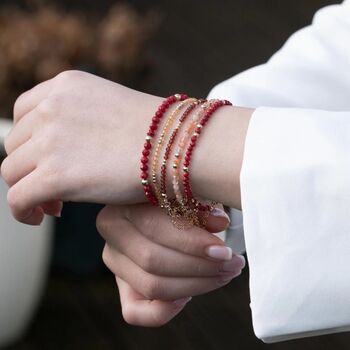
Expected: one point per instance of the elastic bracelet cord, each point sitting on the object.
(148, 144)
(169, 121)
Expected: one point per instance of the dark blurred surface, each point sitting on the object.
(197, 45)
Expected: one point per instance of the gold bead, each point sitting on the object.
(144, 182)
(148, 138)
(177, 155)
(175, 166)
(185, 168)
(199, 125)
(195, 134)
(178, 96)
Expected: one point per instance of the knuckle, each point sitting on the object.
(107, 222)
(47, 107)
(129, 314)
(5, 170)
(12, 198)
(46, 141)
(18, 103)
(68, 75)
(106, 257)
(101, 221)
(148, 260)
(103, 226)
(153, 288)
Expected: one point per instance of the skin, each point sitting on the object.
(66, 126)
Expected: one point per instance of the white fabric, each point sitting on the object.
(295, 181)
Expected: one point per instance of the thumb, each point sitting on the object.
(217, 220)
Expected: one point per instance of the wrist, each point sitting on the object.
(217, 158)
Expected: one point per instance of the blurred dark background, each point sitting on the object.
(192, 46)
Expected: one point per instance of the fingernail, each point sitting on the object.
(237, 262)
(29, 214)
(59, 214)
(228, 277)
(182, 301)
(219, 252)
(220, 213)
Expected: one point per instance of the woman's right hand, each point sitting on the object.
(159, 267)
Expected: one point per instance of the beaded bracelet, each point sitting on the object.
(184, 210)
(168, 148)
(161, 196)
(181, 144)
(148, 145)
(186, 165)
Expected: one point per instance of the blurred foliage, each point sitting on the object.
(41, 39)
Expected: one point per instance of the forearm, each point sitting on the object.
(217, 159)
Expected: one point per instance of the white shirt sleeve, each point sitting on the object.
(295, 181)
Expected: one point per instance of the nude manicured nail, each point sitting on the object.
(220, 213)
(180, 302)
(228, 277)
(219, 252)
(237, 262)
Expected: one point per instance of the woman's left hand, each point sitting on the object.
(159, 267)
(76, 137)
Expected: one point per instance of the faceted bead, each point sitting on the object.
(145, 152)
(144, 160)
(144, 175)
(147, 145)
(144, 167)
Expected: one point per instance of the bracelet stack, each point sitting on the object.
(182, 128)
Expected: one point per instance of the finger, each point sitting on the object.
(29, 192)
(160, 260)
(19, 163)
(218, 220)
(30, 99)
(20, 133)
(139, 311)
(161, 287)
(155, 224)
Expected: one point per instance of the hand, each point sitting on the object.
(76, 137)
(158, 267)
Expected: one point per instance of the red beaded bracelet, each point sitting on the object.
(148, 144)
(172, 137)
(186, 174)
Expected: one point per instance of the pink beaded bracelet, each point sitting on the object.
(148, 144)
